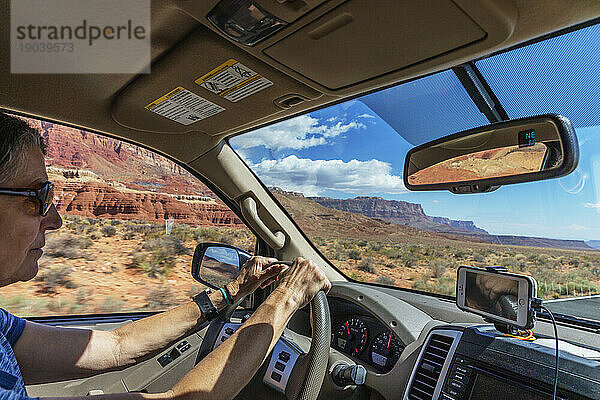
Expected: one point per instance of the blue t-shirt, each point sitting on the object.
(12, 386)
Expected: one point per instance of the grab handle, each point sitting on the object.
(277, 239)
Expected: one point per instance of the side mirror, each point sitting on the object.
(216, 264)
(484, 158)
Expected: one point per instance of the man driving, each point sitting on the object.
(32, 353)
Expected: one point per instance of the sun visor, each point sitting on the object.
(205, 84)
(407, 33)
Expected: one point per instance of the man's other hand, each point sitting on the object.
(303, 280)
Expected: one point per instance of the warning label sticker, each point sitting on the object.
(233, 81)
(181, 105)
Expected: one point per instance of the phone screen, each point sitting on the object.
(492, 293)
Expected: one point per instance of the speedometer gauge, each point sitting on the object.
(386, 350)
(351, 336)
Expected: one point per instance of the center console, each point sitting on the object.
(479, 363)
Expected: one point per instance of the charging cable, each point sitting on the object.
(537, 306)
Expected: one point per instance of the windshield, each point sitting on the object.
(338, 172)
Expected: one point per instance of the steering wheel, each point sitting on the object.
(310, 368)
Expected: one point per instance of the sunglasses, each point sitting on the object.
(44, 195)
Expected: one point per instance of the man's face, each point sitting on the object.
(22, 228)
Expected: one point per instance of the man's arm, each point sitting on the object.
(47, 354)
(228, 368)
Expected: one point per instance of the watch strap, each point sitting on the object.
(206, 306)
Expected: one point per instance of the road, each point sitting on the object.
(584, 307)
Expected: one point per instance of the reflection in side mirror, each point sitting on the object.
(482, 159)
(215, 264)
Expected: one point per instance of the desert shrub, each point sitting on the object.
(108, 230)
(390, 266)
(443, 285)
(478, 257)
(161, 298)
(206, 235)
(428, 251)
(414, 249)
(111, 304)
(362, 243)
(183, 232)
(67, 245)
(366, 265)
(128, 235)
(354, 254)
(82, 296)
(460, 253)
(409, 260)
(170, 244)
(385, 280)
(355, 276)
(437, 267)
(115, 222)
(156, 264)
(509, 262)
(375, 246)
(53, 278)
(90, 229)
(227, 239)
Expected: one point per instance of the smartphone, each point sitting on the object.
(499, 296)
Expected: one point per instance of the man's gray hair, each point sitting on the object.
(16, 136)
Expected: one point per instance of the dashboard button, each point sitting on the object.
(463, 370)
(279, 366)
(460, 360)
(284, 356)
(457, 385)
(453, 392)
(460, 378)
(164, 359)
(229, 331)
(186, 347)
(180, 345)
(276, 376)
(447, 397)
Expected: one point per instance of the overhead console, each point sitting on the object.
(266, 58)
(406, 33)
(478, 363)
(310, 39)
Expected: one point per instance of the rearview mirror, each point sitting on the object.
(216, 264)
(484, 158)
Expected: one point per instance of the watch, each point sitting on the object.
(206, 306)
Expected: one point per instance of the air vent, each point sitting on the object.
(430, 367)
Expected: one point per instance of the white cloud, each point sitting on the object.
(435, 201)
(313, 177)
(592, 205)
(366, 116)
(577, 227)
(298, 133)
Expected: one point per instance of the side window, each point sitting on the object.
(131, 221)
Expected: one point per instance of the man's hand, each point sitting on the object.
(493, 287)
(302, 281)
(253, 274)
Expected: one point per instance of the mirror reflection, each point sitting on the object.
(220, 265)
(492, 163)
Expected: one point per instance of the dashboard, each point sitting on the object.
(466, 361)
(358, 334)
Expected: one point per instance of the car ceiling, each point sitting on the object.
(330, 51)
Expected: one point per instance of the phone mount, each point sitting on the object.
(500, 326)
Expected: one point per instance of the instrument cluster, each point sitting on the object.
(363, 337)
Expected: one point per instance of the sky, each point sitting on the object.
(357, 148)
